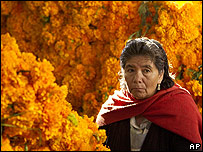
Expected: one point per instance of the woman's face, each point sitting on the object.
(142, 77)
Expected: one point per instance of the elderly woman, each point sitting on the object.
(150, 112)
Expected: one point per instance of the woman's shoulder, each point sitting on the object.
(179, 94)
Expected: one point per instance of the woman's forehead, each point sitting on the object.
(140, 59)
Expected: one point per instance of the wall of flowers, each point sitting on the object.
(60, 62)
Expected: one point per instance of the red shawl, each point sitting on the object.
(173, 109)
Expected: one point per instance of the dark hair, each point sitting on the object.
(151, 48)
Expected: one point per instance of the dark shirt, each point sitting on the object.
(157, 138)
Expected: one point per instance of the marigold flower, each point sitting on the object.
(5, 146)
(83, 40)
(28, 106)
(196, 88)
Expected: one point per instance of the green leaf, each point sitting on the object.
(196, 77)
(148, 27)
(50, 94)
(96, 136)
(106, 96)
(98, 10)
(13, 126)
(40, 136)
(26, 147)
(200, 66)
(143, 21)
(139, 33)
(13, 115)
(131, 36)
(196, 74)
(155, 18)
(143, 12)
(180, 76)
(88, 73)
(103, 7)
(9, 125)
(191, 70)
(111, 87)
(71, 117)
(10, 106)
(142, 9)
(46, 19)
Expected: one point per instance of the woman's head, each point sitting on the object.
(144, 65)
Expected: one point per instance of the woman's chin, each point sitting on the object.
(139, 97)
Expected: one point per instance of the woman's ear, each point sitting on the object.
(161, 76)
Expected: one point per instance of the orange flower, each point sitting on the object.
(83, 40)
(29, 98)
(5, 146)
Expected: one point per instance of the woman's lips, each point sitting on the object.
(137, 89)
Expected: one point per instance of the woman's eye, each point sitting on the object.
(146, 70)
(130, 70)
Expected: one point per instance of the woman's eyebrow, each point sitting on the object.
(147, 66)
(132, 66)
(129, 66)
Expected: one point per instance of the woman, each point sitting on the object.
(150, 112)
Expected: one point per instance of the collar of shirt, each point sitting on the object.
(142, 128)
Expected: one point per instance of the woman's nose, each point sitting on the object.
(137, 77)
